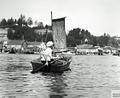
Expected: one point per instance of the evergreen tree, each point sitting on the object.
(29, 21)
(21, 21)
(3, 22)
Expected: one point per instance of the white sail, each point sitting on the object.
(59, 34)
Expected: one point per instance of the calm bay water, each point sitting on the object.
(90, 77)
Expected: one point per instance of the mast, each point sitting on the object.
(51, 18)
(47, 30)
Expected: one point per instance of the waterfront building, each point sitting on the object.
(14, 44)
(23, 45)
(86, 49)
(42, 31)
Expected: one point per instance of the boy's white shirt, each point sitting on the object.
(47, 54)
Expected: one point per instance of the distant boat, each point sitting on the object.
(13, 51)
(59, 38)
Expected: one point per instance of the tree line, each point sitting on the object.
(20, 29)
(79, 36)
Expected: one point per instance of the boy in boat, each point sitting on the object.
(47, 54)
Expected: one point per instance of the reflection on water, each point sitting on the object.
(90, 77)
(56, 86)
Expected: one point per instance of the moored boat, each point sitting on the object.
(13, 50)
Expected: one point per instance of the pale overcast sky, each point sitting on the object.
(97, 16)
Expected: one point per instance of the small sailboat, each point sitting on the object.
(56, 65)
(59, 38)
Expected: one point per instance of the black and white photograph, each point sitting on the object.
(59, 48)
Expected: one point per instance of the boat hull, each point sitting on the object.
(56, 66)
